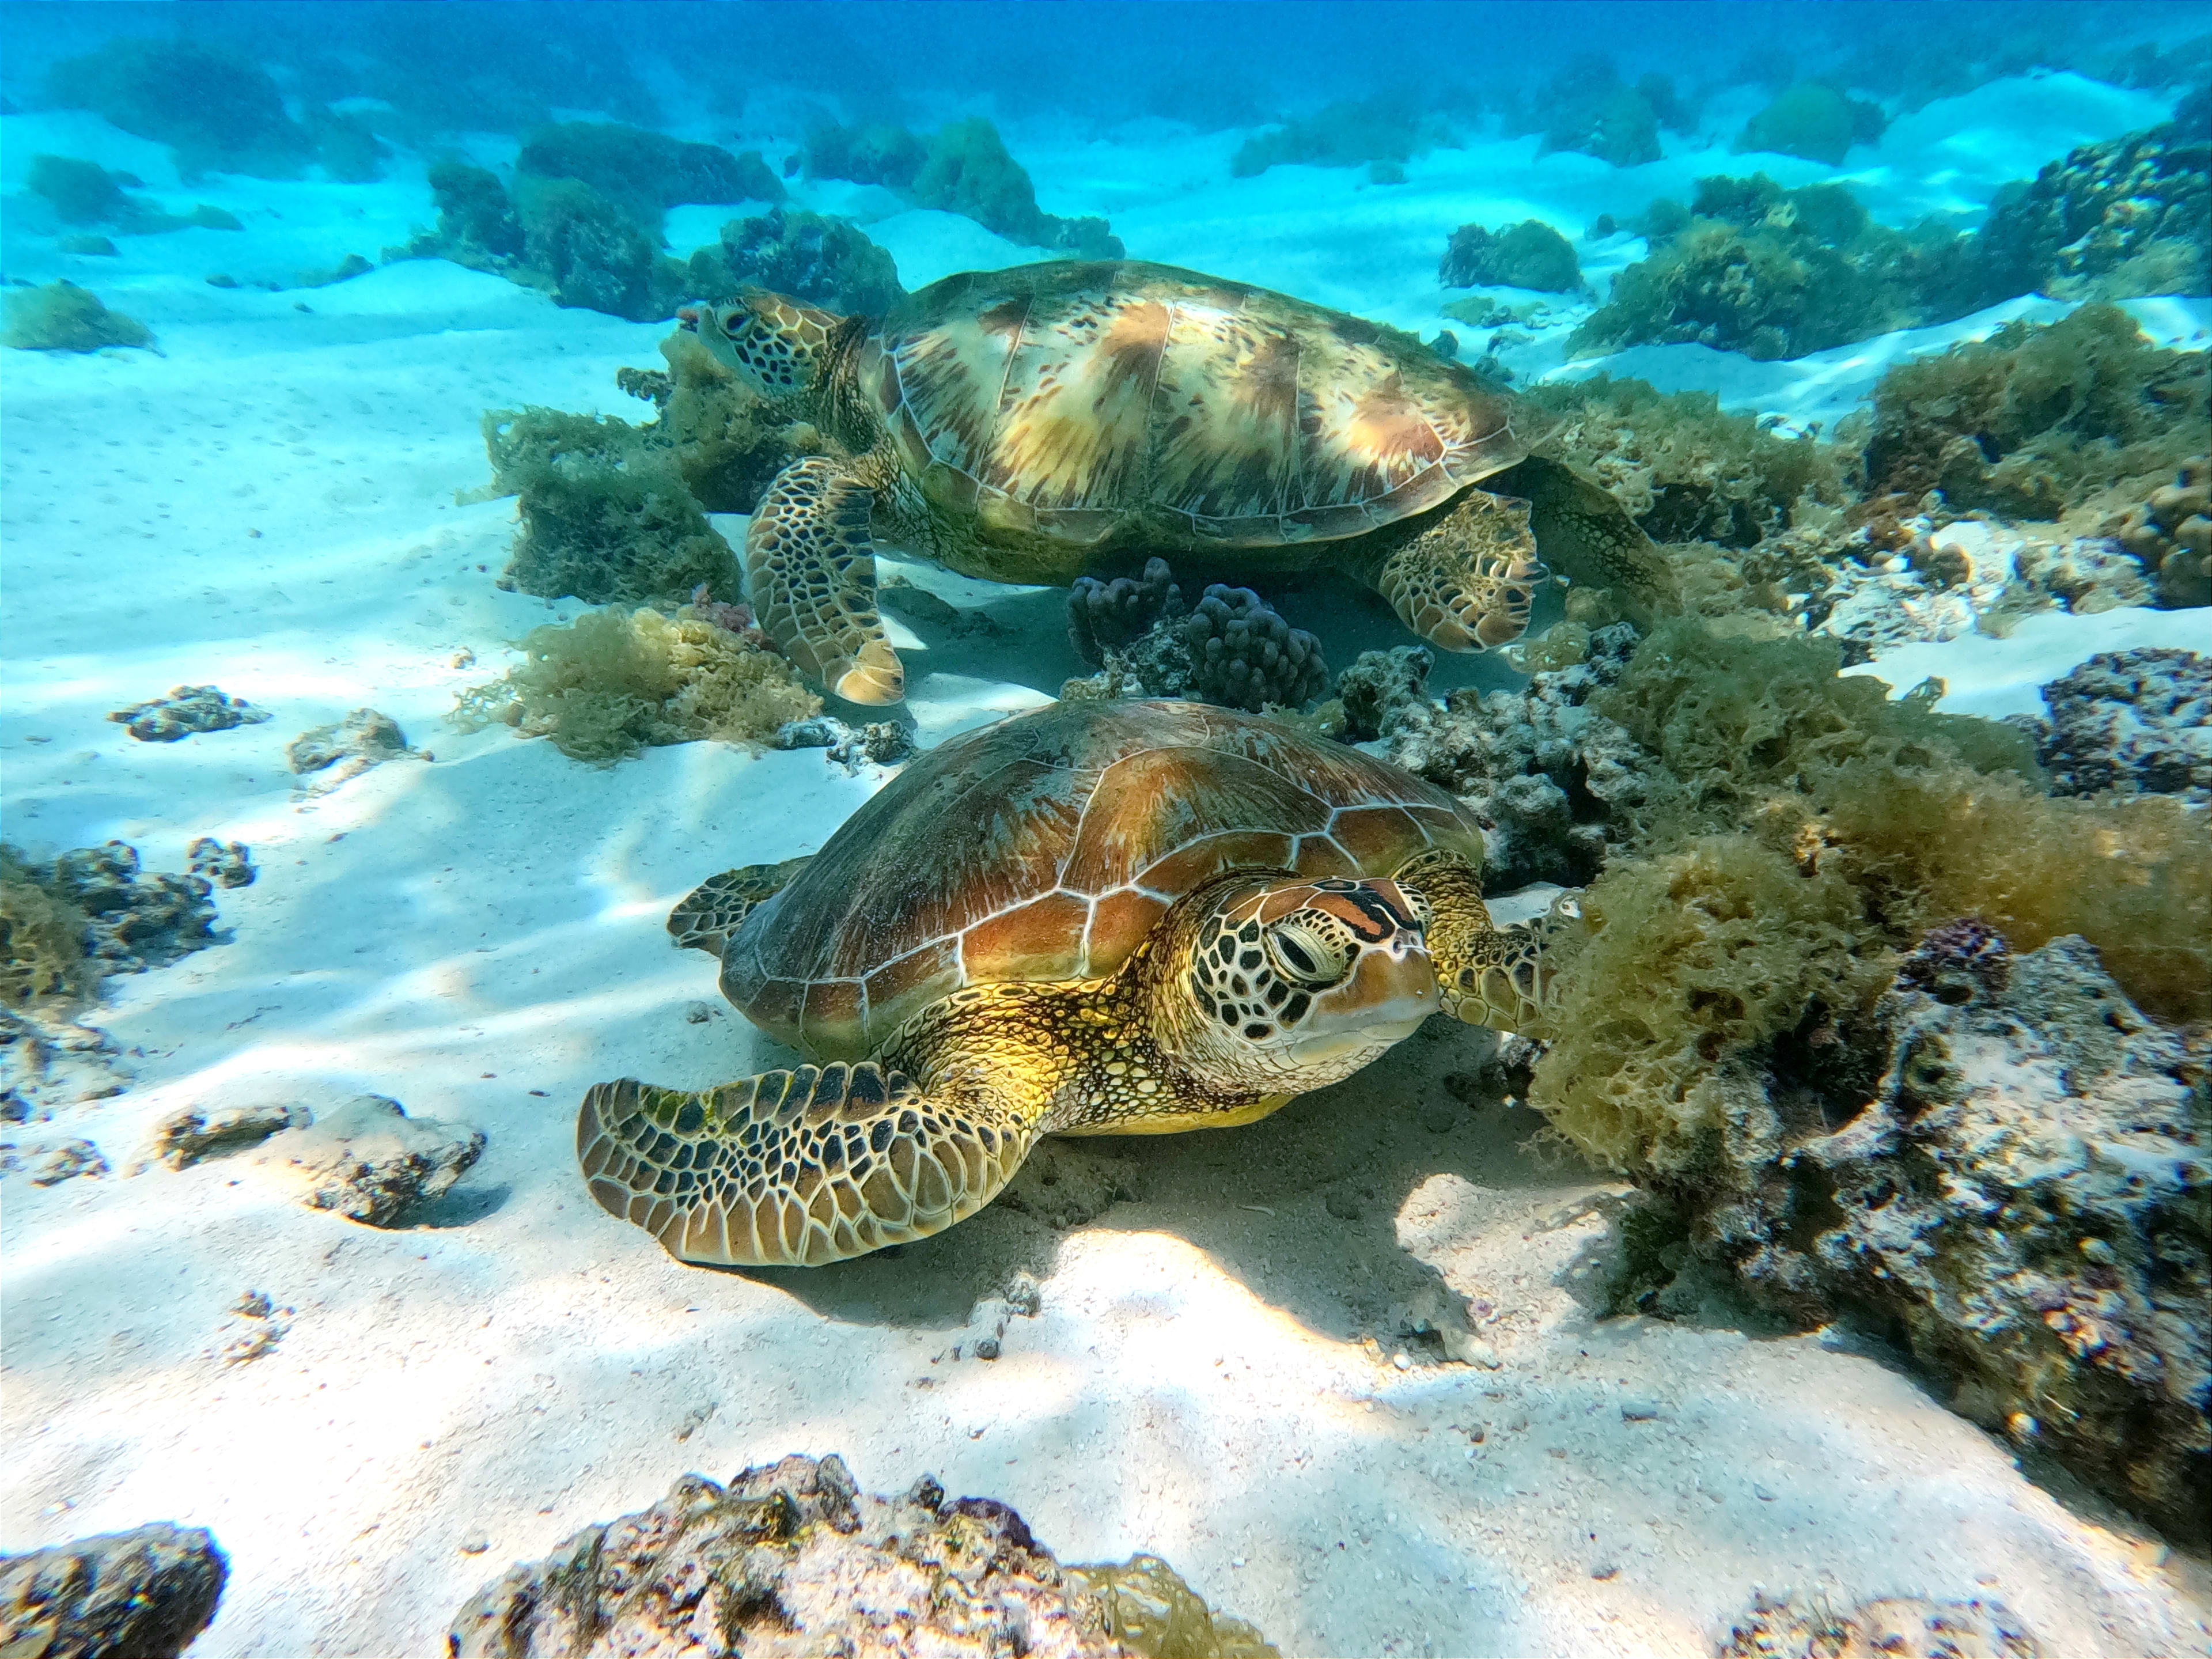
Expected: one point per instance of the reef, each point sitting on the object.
(643, 172)
(2169, 533)
(727, 443)
(1587, 106)
(66, 924)
(187, 709)
(1379, 133)
(1814, 122)
(63, 316)
(343, 749)
(477, 224)
(587, 253)
(369, 1161)
(1530, 254)
(1231, 648)
(606, 516)
(1902, 1627)
(1382, 690)
(2137, 722)
(613, 682)
(825, 261)
(792, 1558)
(963, 168)
(214, 113)
(2039, 418)
(146, 1593)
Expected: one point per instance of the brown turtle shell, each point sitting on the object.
(1076, 401)
(1045, 847)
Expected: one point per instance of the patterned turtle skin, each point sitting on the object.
(1099, 918)
(1066, 418)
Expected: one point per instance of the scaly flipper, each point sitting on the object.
(1467, 581)
(705, 917)
(810, 573)
(1487, 974)
(796, 1169)
(1587, 536)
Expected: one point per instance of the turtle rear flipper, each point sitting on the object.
(794, 1169)
(811, 574)
(1466, 582)
(1586, 535)
(705, 918)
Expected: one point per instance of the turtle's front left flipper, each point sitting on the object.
(1466, 582)
(810, 573)
(1486, 975)
(797, 1169)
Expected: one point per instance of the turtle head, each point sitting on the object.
(1285, 984)
(778, 347)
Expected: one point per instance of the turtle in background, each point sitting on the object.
(1076, 417)
(1099, 918)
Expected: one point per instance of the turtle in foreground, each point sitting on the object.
(1056, 420)
(1099, 918)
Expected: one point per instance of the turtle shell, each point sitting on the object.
(1046, 846)
(1074, 400)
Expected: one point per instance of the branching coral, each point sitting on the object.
(605, 515)
(63, 316)
(614, 681)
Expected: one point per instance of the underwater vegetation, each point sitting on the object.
(68, 922)
(216, 113)
(727, 442)
(770, 1564)
(964, 167)
(1588, 107)
(1380, 132)
(1529, 254)
(63, 316)
(645, 173)
(614, 681)
(825, 261)
(1814, 121)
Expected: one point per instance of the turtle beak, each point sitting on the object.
(687, 317)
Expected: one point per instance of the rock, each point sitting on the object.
(133, 921)
(192, 1133)
(1898, 1627)
(47, 1060)
(66, 1161)
(1377, 689)
(225, 863)
(345, 748)
(2136, 721)
(793, 1559)
(140, 1594)
(372, 1163)
(187, 709)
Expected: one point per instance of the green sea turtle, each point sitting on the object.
(1098, 918)
(1042, 422)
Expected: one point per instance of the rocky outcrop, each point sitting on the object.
(372, 1163)
(139, 1594)
(2136, 721)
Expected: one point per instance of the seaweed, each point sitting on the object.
(964, 169)
(825, 261)
(81, 192)
(1814, 122)
(214, 112)
(605, 515)
(1530, 254)
(63, 316)
(41, 938)
(477, 225)
(1588, 107)
(874, 154)
(2039, 418)
(1389, 129)
(642, 173)
(615, 682)
(725, 441)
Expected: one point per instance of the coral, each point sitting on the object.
(1588, 107)
(644, 172)
(792, 1558)
(1683, 469)
(969, 171)
(1814, 121)
(42, 935)
(186, 710)
(1554, 782)
(225, 863)
(213, 112)
(193, 1134)
(345, 748)
(824, 261)
(1386, 130)
(80, 193)
(605, 513)
(2170, 533)
(870, 155)
(593, 255)
(48, 1060)
(63, 316)
(477, 226)
(1378, 692)
(133, 921)
(727, 442)
(148, 1592)
(1901, 1626)
(611, 683)
(2136, 721)
(370, 1162)
(2038, 416)
(1530, 254)
(1242, 655)
(1109, 615)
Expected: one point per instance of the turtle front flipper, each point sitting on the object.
(705, 917)
(1467, 581)
(1486, 975)
(796, 1169)
(810, 573)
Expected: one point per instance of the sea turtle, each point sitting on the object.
(1097, 918)
(1052, 420)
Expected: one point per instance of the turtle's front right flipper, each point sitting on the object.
(810, 573)
(794, 1169)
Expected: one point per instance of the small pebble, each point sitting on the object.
(986, 1347)
(475, 1545)
(1638, 1411)
(1605, 1570)
(1762, 1494)
(1403, 1362)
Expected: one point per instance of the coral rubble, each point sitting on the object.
(792, 1558)
(146, 1593)
(46, 1058)
(369, 1161)
(63, 316)
(2135, 722)
(193, 1134)
(1893, 1627)
(186, 710)
(339, 750)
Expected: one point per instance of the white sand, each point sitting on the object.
(481, 937)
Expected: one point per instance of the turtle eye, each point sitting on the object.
(731, 320)
(1307, 953)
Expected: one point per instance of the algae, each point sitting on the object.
(213, 111)
(727, 442)
(605, 515)
(80, 193)
(63, 316)
(1386, 129)
(1816, 122)
(590, 253)
(615, 682)
(41, 938)
(644, 172)
(964, 169)
(1530, 254)
(825, 261)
